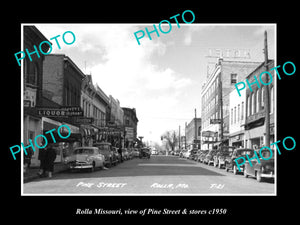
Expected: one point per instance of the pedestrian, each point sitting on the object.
(50, 156)
(42, 158)
(120, 152)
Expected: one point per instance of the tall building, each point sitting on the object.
(237, 118)
(130, 126)
(32, 88)
(215, 100)
(193, 133)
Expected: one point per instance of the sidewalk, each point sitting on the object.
(31, 173)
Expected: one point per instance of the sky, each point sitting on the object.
(161, 78)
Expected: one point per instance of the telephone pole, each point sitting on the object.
(267, 94)
(179, 138)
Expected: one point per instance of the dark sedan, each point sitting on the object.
(262, 170)
(230, 163)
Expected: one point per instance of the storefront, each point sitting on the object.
(237, 140)
(64, 147)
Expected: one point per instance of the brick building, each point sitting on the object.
(215, 93)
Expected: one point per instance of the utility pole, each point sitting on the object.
(195, 138)
(267, 94)
(185, 136)
(221, 108)
(179, 137)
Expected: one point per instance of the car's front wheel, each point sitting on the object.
(92, 169)
(234, 170)
(258, 176)
(245, 173)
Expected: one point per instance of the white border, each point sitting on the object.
(205, 24)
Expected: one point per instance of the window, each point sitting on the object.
(234, 114)
(257, 101)
(248, 105)
(272, 100)
(242, 111)
(233, 78)
(252, 103)
(262, 98)
(231, 116)
(238, 113)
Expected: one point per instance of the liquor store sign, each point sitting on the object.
(65, 111)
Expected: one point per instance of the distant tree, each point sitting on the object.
(171, 139)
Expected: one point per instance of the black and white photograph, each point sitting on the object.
(150, 113)
(175, 108)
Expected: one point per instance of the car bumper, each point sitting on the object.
(82, 166)
(268, 175)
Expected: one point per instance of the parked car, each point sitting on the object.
(135, 153)
(262, 170)
(106, 149)
(187, 154)
(202, 156)
(209, 158)
(85, 158)
(223, 152)
(145, 153)
(193, 154)
(181, 153)
(198, 153)
(230, 163)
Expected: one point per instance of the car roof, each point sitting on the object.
(85, 147)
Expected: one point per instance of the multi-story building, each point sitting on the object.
(193, 133)
(117, 113)
(237, 118)
(32, 88)
(62, 81)
(255, 133)
(215, 100)
(130, 126)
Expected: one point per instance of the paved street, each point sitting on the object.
(159, 175)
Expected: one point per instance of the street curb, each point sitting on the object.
(36, 176)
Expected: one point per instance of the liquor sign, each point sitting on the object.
(59, 112)
(52, 112)
(215, 121)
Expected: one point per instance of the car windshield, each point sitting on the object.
(103, 147)
(245, 151)
(266, 154)
(83, 151)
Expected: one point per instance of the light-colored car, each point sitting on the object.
(187, 154)
(85, 158)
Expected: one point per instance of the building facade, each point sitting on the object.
(215, 100)
(62, 81)
(237, 118)
(255, 128)
(130, 126)
(32, 88)
(193, 133)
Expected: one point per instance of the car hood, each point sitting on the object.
(268, 162)
(79, 157)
